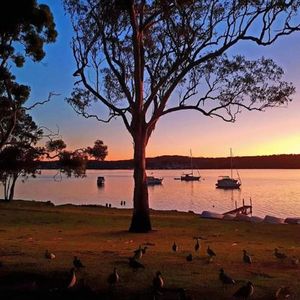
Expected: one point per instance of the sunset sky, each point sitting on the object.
(254, 133)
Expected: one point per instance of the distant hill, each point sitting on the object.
(282, 161)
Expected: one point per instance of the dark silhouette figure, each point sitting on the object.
(197, 245)
(189, 257)
(247, 258)
(225, 279)
(279, 255)
(175, 247)
(210, 252)
(77, 263)
(158, 283)
(245, 291)
(113, 278)
(109, 205)
(73, 280)
(134, 264)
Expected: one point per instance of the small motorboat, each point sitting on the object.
(226, 182)
(100, 180)
(189, 177)
(151, 180)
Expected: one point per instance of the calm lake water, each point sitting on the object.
(275, 192)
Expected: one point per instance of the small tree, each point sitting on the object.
(25, 27)
(144, 59)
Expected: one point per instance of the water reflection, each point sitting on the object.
(274, 192)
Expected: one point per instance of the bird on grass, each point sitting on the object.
(210, 252)
(175, 247)
(113, 278)
(224, 278)
(279, 255)
(158, 283)
(197, 245)
(72, 281)
(283, 293)
(134, 264)
(295, 261)
(49, 255)
(138, 253)
(189, 257)
(183, 295)
(244, 292)
(247, 258)
(77, 263)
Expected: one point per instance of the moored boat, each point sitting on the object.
(100, 180)
(190, 176)
(228, 182)
(151, 180)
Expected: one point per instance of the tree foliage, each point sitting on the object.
(143, 59)
(25, 27)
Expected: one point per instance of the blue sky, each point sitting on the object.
(274, 131)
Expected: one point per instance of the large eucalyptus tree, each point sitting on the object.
(143, 59)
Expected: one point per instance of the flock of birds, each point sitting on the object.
(158, 285)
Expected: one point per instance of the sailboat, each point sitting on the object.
(226, 182)
(190, 176)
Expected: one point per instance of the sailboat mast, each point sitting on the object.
(191, 162)
(231, 162)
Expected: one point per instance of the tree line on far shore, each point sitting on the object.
(281, 161)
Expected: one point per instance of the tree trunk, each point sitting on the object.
(12, 188)
(141, 215)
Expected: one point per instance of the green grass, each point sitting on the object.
(99, 237)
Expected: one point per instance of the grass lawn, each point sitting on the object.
(99, 237)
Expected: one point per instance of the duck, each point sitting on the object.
(134, 264)
(144, 250)
(210, 252)
(49, 255)
(174, 247)
(279, 255)
(138, 253)
(224, 278)
(158, 282)
(245, 291)
(73, 280)
(197, 245)
(283, 293)
(247, 258)
(189, 257)
(295, 261)
(113, 278)
(77, 263)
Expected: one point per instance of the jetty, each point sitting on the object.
(242, 210)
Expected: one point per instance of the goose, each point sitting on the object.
(113, 278)
(134, 264)
(197, 245)
(210, 252)
(73, 279)
(175, 247)
(189, 257)
(158, 282)
(247, 258)
(279, 255)
(224, 278)
(49, 255)
(138, 253)
(283, 293)
(245, 291)
(77, 263)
